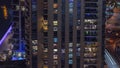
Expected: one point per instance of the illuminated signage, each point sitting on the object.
(5, 11)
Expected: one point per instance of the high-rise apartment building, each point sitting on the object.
(25, 30)
(70, 33)
(22, 30)
(18, 9)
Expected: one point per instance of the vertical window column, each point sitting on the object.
(70, 53)
(55, 34)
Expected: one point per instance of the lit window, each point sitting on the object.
(70, 50)
(85, 65)
(55, 23)
(71, 5)
(45, 66)
(35, 47)
(45, 28)
(54, 45)
(45, 56)
(94, 26)
(45, 22)
(45, 62)
(78, 49)
(56, 11)
(45, 49)
(70, 44)
(93, 61)
(23, 8)
(17, 7)
(90, 54)
(77, 45)
(78, 27)
(55, 5)
(90, 21)
(70, 55)
(34, 42)
(55, 50)
(55, 56)
(55, 29)
(19, 54)
(55, 62)
(63, 50)
(55, 39)
(70, 61)
(71, 10)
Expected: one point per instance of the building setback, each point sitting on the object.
(70, 33)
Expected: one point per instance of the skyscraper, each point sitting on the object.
(22, 30)
(70, 33)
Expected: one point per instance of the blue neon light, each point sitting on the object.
(3, 38)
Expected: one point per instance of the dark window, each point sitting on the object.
(70, 36)
(45, 11)
(70, 66)
(91, 11)
(45, 34)
(55, 1)
(62, 63)
(91, 16)
(91, 38)
(92, 66)
(78, 62)
(55, 34)
(91, 5)
(55, 16)
(45, 40)
(78, 36)
(92, 0)
(45, 17)
(15, 19)
(45, 0)
(16, 2)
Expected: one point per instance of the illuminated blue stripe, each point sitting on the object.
(3, 38)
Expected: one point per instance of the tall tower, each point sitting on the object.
(22, 30)
(18, 8)
(70, 33)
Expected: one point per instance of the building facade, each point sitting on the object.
(70, 33)
(18, 9)
(22, 31)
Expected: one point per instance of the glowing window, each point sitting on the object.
(55, 62)
(45, 66)
(55, 5)
(35, 47)
(55, 11)
(55, 56)
(71, 10)
(55, 23)
(63, 50)
(55, 29)
(70, 50)
(54, 45)
(45, 50)
(70, 61)
(55, 50)
(17, 7)
(70, 44)
(23, 8)
(55, 39)
(70, 55)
